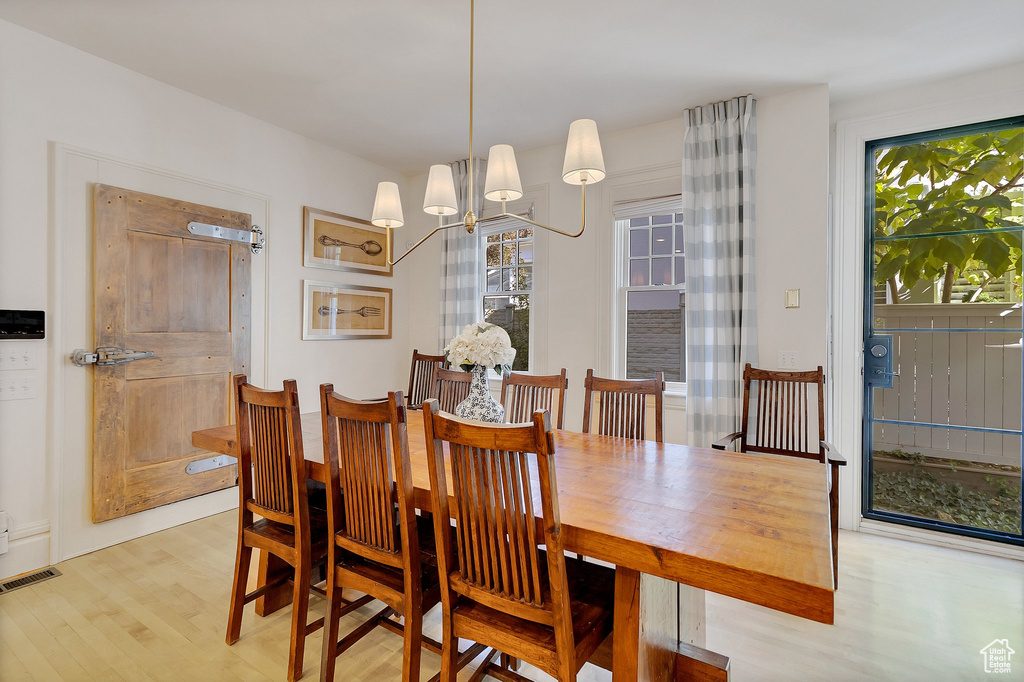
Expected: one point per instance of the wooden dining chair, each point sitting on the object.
(272, 485)
(622, 406)
(524, 394)
(378, 547)
(498, 587)
(451, 386)
(784, 414)
(421, 378)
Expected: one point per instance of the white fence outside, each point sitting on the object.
(962, 378)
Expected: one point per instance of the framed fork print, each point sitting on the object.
(345, 311)
(340, 242)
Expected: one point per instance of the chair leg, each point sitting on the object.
(243, 557)
(449, 652)
(413, 645)
(300, 608)
(331, 618)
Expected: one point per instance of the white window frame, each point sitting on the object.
(622, 212)
(498, 227)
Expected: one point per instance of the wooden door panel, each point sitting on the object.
(154, 301)
(182, 353)
(206, 286)
(160, 288)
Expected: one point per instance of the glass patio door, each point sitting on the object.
(943, 330)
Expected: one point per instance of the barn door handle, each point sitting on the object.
(108, 356)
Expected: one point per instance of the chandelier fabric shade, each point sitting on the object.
(584, 162)
(502, 182)
(439, 198)
(387, 207)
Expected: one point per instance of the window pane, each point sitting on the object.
(493, 254)
(512, 313)
(661, 271)
(639, 243)
(508, 236)
(680, 240)
(662, 241)
(526, 233)
(679, 217)
(638, 272)
(526, 252)
(680, 270)
(662, 219)
(655, 335)
(493, 279)
(508, 253)
(525, 279)
(639, 222)
(508, 279)
(493, 238)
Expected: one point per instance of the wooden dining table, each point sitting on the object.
(673, 520)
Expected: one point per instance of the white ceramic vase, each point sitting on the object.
(480, 404)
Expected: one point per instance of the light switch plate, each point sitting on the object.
(17, 356)
(792, 298)
(788, 359)
(17, 387)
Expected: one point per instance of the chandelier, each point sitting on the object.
(584, 163)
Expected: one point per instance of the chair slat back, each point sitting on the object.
(421, 377)
(783, 412)
(366, 449)
(524, 394)
(495, 559)
(272, 478)
(451, 387)
(622, 406)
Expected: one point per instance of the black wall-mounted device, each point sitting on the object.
(22, 324)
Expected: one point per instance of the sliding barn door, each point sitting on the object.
(186, 298)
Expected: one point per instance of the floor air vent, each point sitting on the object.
(31, 579)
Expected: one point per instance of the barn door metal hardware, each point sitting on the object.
(108, 356)
(209, 464)
(253, 237)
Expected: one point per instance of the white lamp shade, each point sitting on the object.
(439, 198)
(583, 158)
(387, 207)
(502, 181)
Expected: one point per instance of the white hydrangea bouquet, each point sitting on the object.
(482, 344)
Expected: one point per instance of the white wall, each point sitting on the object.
(50, 92)
(573, 328)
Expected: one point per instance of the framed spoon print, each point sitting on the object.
(345, 311)
(339, 242)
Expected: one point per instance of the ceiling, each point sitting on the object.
(387, 80)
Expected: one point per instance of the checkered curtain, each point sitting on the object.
(460, 256)
(719, 156)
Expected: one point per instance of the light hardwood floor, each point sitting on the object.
(155, 608)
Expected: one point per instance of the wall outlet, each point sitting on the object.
(17, 388)
(17, 356)
(788, 359)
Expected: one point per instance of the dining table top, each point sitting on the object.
(750, 526)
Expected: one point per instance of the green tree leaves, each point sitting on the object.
(972, 183)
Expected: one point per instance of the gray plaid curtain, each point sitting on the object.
(719, 154)
(460, 256)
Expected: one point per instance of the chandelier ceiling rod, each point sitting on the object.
(583, 163)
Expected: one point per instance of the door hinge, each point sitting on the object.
(253, 237)
(108, 356)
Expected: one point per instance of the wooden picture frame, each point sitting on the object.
(345, 311)
(339, 242)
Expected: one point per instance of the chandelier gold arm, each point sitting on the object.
(430, 234)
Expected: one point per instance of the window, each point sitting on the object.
(653, 322)
(507, 284)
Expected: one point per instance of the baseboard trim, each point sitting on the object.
(25, 555)
(939, 539)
